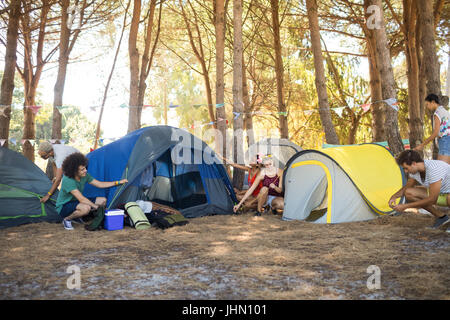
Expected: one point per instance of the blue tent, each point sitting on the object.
(166, 165)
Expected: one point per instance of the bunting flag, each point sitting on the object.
(2, 111)
(339, 111)
(2, 142)
(365, 107)
(13, 141)
(283, 113)
(173, 106)
(392, 102)
(220, 105)
(236, 115)
(34, 109)
(62, 107)
(221, 119)
(31, 141)
(62, 141)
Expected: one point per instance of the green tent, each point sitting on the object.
(22, 185)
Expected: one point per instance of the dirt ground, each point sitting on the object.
(229, 257)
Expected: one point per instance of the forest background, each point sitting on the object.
(314, 71)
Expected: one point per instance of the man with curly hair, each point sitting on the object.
(71, 204)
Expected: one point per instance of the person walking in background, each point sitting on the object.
(441, 128)
(59, 153)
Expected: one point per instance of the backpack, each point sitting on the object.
(163, 220)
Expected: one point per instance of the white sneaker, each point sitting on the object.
(67, 225)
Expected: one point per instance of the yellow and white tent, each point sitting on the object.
(342, 184)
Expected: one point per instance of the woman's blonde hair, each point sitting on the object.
(267, 158)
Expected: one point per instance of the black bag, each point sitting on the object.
(164, 220)
(97, 222)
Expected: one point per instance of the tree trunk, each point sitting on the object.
(383, 59)
(422, 76)
(199, 53)
(62, 70)
(238, 151)
(279, 70)
(378, 118)
(30, 78)
(209, 94)
(415, 121)
(219, 22)
(146, 56)
(353, 129)
(29, 125)
(248, 118)
(429, 59)
(134, 121)
(324, 107)
(138, 77)
(378, 114)
(7, 87)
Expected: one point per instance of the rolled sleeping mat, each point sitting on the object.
(137, 216)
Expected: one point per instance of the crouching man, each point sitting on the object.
(428, 185)
(71, 204)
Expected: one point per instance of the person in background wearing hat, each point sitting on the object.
(59, 153)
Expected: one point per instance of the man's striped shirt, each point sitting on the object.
(435, 170)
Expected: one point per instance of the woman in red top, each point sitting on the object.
(271, 193)
(253, 172)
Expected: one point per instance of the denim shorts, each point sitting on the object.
(69, 207)
(444, 146)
